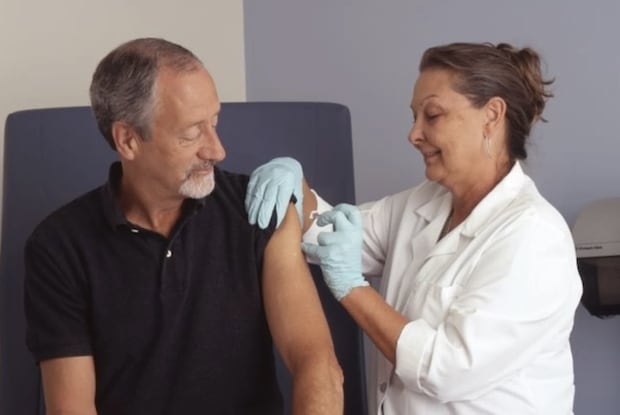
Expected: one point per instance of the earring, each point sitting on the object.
(487, 145)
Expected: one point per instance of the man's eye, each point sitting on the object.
(192, 134)
(191, 137)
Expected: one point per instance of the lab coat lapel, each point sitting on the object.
(425, 245)
(435, 213)
(432, 215)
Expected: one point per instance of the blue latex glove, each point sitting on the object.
(271, 186)
(340, 252)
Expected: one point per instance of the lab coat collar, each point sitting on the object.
(493, 203)
(501, 195)
(439, 202)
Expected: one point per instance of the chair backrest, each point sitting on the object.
(53, 155)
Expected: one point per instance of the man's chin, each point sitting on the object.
(197, 189)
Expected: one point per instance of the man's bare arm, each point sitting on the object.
(309, 205)
(298, 325)
(69, 385)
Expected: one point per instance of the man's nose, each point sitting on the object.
(212, 149)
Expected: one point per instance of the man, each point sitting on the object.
(152, 294)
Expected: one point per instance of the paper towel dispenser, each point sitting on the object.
(597, 241)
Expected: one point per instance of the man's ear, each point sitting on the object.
(126, 139)
(495, 114)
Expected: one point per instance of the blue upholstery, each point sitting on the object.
(54, 155)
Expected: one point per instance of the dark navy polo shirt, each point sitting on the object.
(175, 325)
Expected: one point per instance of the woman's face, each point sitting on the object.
(448, 131)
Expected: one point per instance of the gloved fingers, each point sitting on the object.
(289, 163)
(259, 176)
(254, 195)
(326, 218)
(251, 206)
(255, 203)
(259, 208)
(282, 199)
(283, 160)
(338, 219)
(323, 253)
(268, 204)
(311, 249)
(332, 238)
(351, 212)
(264, 192)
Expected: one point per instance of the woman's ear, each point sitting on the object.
(495, 114)
(126, 139)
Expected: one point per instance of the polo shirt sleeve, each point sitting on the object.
(55, 305)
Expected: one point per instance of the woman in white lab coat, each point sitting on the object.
(479, 283)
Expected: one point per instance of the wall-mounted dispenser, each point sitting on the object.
(597, 242)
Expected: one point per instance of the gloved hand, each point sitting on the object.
(271, 185)
(340, 251)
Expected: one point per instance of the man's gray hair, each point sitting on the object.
(123, 85)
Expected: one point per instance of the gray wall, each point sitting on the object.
(364, 54)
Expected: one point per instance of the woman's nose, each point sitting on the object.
(415, 134)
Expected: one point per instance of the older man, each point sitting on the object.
(152, 294)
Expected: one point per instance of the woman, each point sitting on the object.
(479, 283)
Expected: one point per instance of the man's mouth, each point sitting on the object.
(203, 169)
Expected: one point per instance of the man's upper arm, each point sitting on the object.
(292, 304)
(69, 385)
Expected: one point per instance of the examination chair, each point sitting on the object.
(53, 155)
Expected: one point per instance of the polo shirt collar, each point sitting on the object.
(112, 209)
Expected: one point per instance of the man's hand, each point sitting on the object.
(271, 186)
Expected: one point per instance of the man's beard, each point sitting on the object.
(197, 186)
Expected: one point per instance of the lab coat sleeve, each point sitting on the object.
(518, 302)
(376, 217)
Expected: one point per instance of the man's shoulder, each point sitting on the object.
(229, 194)
(230, 188)
(229, 181)
(74, 215)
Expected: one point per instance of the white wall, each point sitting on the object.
(364, 53)
(49, 49)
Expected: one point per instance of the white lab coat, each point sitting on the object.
(491, 304)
